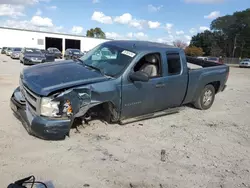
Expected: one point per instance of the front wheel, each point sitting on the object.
(206, 98)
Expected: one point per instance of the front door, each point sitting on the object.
(138, 98)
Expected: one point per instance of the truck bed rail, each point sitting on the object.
(201, 62)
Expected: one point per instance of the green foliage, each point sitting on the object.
(204, 41)
(227, 32)
(96, 33)
(194, 51)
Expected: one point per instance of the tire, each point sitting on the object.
(209, 93)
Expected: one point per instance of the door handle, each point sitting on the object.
(159, 85)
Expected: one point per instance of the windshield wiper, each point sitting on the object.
(96, 68)
(93, 67)
(78, 59)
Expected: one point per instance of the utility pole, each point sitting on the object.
(242, 46)
(235, 42)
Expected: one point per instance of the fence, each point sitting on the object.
(228, 60)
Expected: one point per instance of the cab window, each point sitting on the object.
(150, 64)
(174, 63)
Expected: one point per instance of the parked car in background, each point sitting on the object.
(15, 53)
(8, 51)
(203, 58)
(3, 51)
(245, 63)
(58, 53)
(49, 56)
(31, 56)
(84, 52)
(215, 59)
(71, 53)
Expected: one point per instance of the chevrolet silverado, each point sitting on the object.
(135, 80)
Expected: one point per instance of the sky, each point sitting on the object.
(154, 20)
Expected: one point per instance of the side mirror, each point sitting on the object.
(139, 76)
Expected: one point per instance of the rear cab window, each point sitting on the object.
(174, 63)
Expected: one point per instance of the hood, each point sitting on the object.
(44, 79)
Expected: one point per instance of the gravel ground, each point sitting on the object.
(204, 148)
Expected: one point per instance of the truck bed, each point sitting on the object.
(201, 63)
(201, 73)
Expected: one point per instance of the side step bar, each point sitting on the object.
(152, 115)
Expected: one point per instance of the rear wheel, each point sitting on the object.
(206, 98)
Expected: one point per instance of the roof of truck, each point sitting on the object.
(138, 46)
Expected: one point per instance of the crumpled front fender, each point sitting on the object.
(78, 99)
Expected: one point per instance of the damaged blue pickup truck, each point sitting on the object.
(118, 81)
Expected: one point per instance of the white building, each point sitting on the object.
(12, 37)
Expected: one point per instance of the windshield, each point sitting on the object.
(75, 51)
(246, 60)
(17, 49)
(55, 50)
(32, 51)
(111, 60)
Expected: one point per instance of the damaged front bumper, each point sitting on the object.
(42, 127)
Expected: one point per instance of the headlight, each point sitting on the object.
(49, 108)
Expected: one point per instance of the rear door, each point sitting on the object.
(172, 88)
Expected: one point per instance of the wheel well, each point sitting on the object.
(216, 85)
(105, 111)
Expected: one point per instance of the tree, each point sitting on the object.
(180, 44)
(194, 51)
(229, 36)
(96, 33)
(236, 28)
(204, 41)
